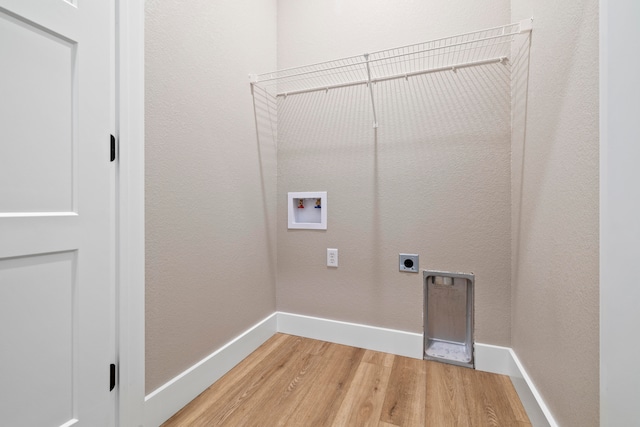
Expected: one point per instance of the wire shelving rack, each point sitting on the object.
(476, 48)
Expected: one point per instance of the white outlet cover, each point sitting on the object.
(332, 257)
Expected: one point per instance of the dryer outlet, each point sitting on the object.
(409, 263)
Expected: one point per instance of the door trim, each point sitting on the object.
(130, 258)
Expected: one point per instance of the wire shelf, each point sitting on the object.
(450, 53)
(482, 47)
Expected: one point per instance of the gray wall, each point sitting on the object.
(555, 211)
(210, 189)
(435, 181)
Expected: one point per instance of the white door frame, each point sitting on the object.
(130, 259)
(619, 205)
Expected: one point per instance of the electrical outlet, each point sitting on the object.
(332, 257)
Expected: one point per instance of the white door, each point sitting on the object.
(56, 232)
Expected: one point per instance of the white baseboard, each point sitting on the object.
(503, 360)
(172, 396)
(162, 403)
(495, 359)
(356, 335)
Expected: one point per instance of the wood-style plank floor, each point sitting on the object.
(293, 381)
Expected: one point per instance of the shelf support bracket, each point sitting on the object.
(370, 85)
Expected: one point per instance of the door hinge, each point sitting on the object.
(113, 148)
(112, 376)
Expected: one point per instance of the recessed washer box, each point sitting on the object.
(307, 210)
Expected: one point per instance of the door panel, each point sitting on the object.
(32, 329)
(56, 213)
(39, 93)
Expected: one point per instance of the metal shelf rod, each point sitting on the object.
(518, 25)
(396, 76)
(323, 70)
(472, 49)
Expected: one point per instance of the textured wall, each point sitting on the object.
(435, 180)
(312, 31)
(210, 189)
(555, 210)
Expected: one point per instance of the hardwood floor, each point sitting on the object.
(293, 381)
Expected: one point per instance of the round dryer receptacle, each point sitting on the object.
(409, 263)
